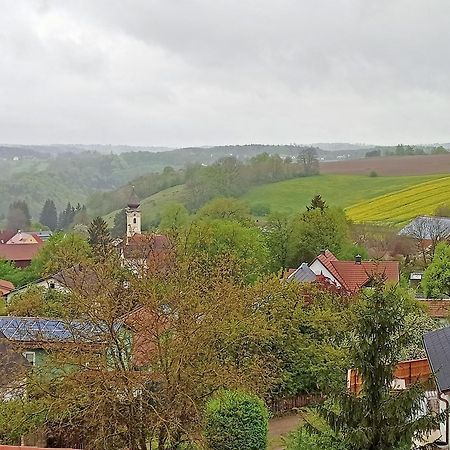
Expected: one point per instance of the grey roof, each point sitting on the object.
(427, 227)
(437, 346)
(303, 274)
(36, 329)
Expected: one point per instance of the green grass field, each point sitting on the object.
(292, 196)
(401, 206)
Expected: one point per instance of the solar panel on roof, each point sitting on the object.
(49, 330)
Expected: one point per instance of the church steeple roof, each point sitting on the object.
(133, 201)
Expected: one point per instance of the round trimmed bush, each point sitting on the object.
(236, 420)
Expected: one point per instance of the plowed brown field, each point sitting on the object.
(392, 165)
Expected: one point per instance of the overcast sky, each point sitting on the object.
(206, 72)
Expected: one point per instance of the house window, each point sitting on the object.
(134, 220)
(51, 285)
(30, 357)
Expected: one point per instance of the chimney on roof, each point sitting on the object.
(358, 259)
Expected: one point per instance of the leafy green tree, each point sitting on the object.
(17, 276)
(236, 420)
(18, 217)
(61, 251)
(120, 224)
(173, 217)
(439, 150)
(214, 239)
(377, 417)
(49, 215)
(315, 230)
(225, 208)
(308, 157)
(37, 301)
(436, 278)
(100, 238)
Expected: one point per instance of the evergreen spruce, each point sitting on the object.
(49, 215)
(100, 238)
(120, 224)
(378, 417)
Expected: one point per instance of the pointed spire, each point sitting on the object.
(133, 201)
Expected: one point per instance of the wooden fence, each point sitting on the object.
(289, 404)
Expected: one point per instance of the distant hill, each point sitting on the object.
(76, 172)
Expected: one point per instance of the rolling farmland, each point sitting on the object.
(401, 206)
(292, 196)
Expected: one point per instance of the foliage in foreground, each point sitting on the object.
(376, 418)
(236, 420)
(436, 279)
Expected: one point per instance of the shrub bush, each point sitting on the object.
(373, 174)
(236, 421)
(303, 440)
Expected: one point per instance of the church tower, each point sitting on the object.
(133, 215)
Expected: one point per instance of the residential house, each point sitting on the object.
(19, 247)
(351, 276)
(83, 279)
(35, 337)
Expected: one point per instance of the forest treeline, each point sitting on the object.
(227, 177)
(68, 176)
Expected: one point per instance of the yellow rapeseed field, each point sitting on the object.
(401, 206)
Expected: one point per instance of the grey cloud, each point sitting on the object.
(188, 72)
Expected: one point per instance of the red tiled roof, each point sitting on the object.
(356, 275)
(438, 309)
(6, 235)
(19, 252)
(5, 287)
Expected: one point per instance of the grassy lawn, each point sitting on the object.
(338, 190)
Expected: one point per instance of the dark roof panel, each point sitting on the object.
(303, 274)
(36, 329)
(437, 346)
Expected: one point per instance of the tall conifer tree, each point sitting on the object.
(49, 215)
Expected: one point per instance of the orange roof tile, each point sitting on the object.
(356, 275)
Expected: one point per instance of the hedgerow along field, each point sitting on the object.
(402, 206)
(292, 196)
